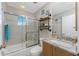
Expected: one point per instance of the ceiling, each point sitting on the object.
(57, 7)
(27, 6)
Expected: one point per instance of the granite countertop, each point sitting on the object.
(61, 44)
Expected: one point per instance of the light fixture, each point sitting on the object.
(35, 2)
(22, 6)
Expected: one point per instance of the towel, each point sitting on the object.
(7, 33)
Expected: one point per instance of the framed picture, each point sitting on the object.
(42, 12)
(47, 12)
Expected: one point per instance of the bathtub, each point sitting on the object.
(14, 49)
(17, 50)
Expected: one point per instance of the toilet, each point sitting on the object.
(36, 50)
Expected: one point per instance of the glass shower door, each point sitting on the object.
(22, 35)
(32, 35)
(14, 43)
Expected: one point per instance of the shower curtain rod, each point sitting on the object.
(10, 13)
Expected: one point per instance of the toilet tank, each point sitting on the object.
(41, 41)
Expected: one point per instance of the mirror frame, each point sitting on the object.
(76, 17)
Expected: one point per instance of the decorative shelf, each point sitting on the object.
(45, 18)
(42, 23)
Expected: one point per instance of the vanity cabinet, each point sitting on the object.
(50, 50)
(47, 49)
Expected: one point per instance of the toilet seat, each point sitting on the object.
(35, 51)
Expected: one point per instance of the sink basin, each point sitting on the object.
(62, 43)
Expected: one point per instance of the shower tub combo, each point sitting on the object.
(22, 34)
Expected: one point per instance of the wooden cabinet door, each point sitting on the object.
(47, 49)
(54, 51)
(50, 50)
(62, 52)
(57, 52)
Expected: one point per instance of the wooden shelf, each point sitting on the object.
(45, 18)
(42, 23)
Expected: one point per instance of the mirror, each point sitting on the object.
(68, 24)
(64, 20)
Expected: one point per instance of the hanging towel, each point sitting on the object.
(7, 33)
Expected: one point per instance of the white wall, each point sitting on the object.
(1, 35)
(0, 24)
(78, 26)
(57, 26)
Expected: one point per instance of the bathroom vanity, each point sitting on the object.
(57, 48)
